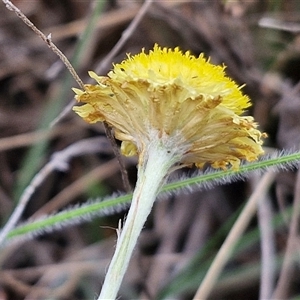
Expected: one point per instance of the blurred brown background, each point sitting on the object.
(258, 41)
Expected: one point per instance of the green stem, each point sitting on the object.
(153, 169)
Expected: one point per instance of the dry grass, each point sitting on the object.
(35, 89)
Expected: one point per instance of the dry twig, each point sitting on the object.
(233, 237)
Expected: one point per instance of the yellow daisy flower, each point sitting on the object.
(172, 109)
(185, 101)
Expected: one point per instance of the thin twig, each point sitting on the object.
(77, 187)
(113, 52)
(15, 216)
(267, 245)
(284, 281)
(127, 33)
(46, 39)
(58, 161)
(29, 138)
(124, 174)
(104, 65)
(233, 237)
(69, 66)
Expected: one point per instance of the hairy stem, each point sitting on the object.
(154, 165)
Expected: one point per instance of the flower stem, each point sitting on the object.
(153, 168)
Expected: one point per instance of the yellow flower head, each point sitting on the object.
(185, 101)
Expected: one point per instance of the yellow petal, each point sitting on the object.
(185, 101)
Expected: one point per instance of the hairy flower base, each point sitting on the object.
(185, 100)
